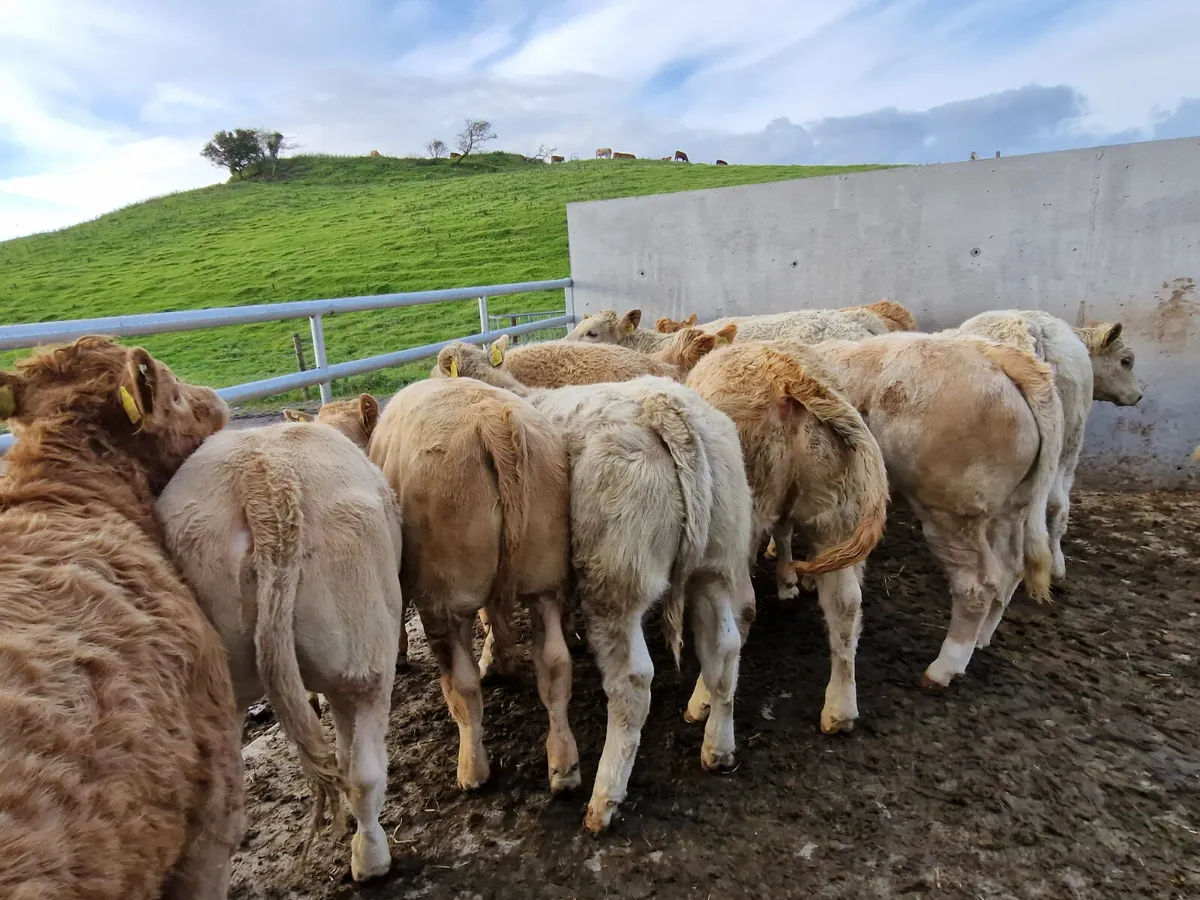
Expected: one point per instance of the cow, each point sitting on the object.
(666, 159)
(721, 162)
(291, 539)
(891, 315)
(1088, 363)
(482, 479)
(675, 527)
(375, 153)
(619, 155)
(813, 467)
(120, 750)
(681, 156)
(557, 159)
(604, 153)
(551, 364)
(971, 432)
(806, 326)
(455, 154)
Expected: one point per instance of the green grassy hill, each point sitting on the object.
(332, 227)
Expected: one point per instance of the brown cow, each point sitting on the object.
(681, 156)
(619, 155)
(557, 159)
(455, 155)
(721, 162)
(120, 750)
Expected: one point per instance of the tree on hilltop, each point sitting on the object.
(241, 148)
(476, 133)
(436, 149)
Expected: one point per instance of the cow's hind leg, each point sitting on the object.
(1007, 545)
(450, 640)
(624, 662)
(961, 545)
(499, 645)
(552, 663)
(718, 645)
(840, 595)
(786, 580)
(1058, 510)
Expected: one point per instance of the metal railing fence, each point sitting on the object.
(19, 336)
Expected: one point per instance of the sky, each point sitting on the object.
(107, 102)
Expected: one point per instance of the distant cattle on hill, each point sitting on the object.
(604, 153)
(681, 156)
(455, 155)
(721, 162)
(623, 156)
(555, 159)
(376, 153)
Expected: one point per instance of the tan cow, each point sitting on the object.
(606, 327)
(620, 155)
(673, 527)
(604, 153)
(813, 467)
(971, 432)
(482, 479)
(120, 744)
(375, 153)
(893, 316)
(558, 159)
(1088, 363)
(291, 539)
(552, 364)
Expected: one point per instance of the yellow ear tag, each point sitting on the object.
(630, 328)
(8, 404)
(453, 367)
(497, 355)
(721, 339)
(131, 407)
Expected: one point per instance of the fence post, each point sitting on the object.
(319, 361)
(484, 326)
(569, 301)
(299, 357)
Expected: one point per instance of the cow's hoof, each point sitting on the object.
(565, 781)
(598, 820)
(369, 860)
(833, 725)
(717, 763)
(930, 683)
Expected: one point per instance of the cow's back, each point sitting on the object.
(428, 444)
(103, 655)
(350, 536)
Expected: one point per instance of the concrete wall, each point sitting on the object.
(1110, 234)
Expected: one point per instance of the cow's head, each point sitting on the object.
(463, 360)
(606, 327)
(95, 393)
(667, 325)
(689, 346)
(1112, 365)
(356, 418)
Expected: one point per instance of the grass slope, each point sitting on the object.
(332, 227)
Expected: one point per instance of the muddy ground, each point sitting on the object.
(1064, 764)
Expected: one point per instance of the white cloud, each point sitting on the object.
(109, 101)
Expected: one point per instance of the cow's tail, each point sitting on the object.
(665, 414)
(504, 439)
(865, 487)
(1035, 380)
(272, 509)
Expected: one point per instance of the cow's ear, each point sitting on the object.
(1109, 335)
(12, 392)
(295, 415)
(137, 389)
(631, 320)
(726, 334)
(499, 348)
(368, 407)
